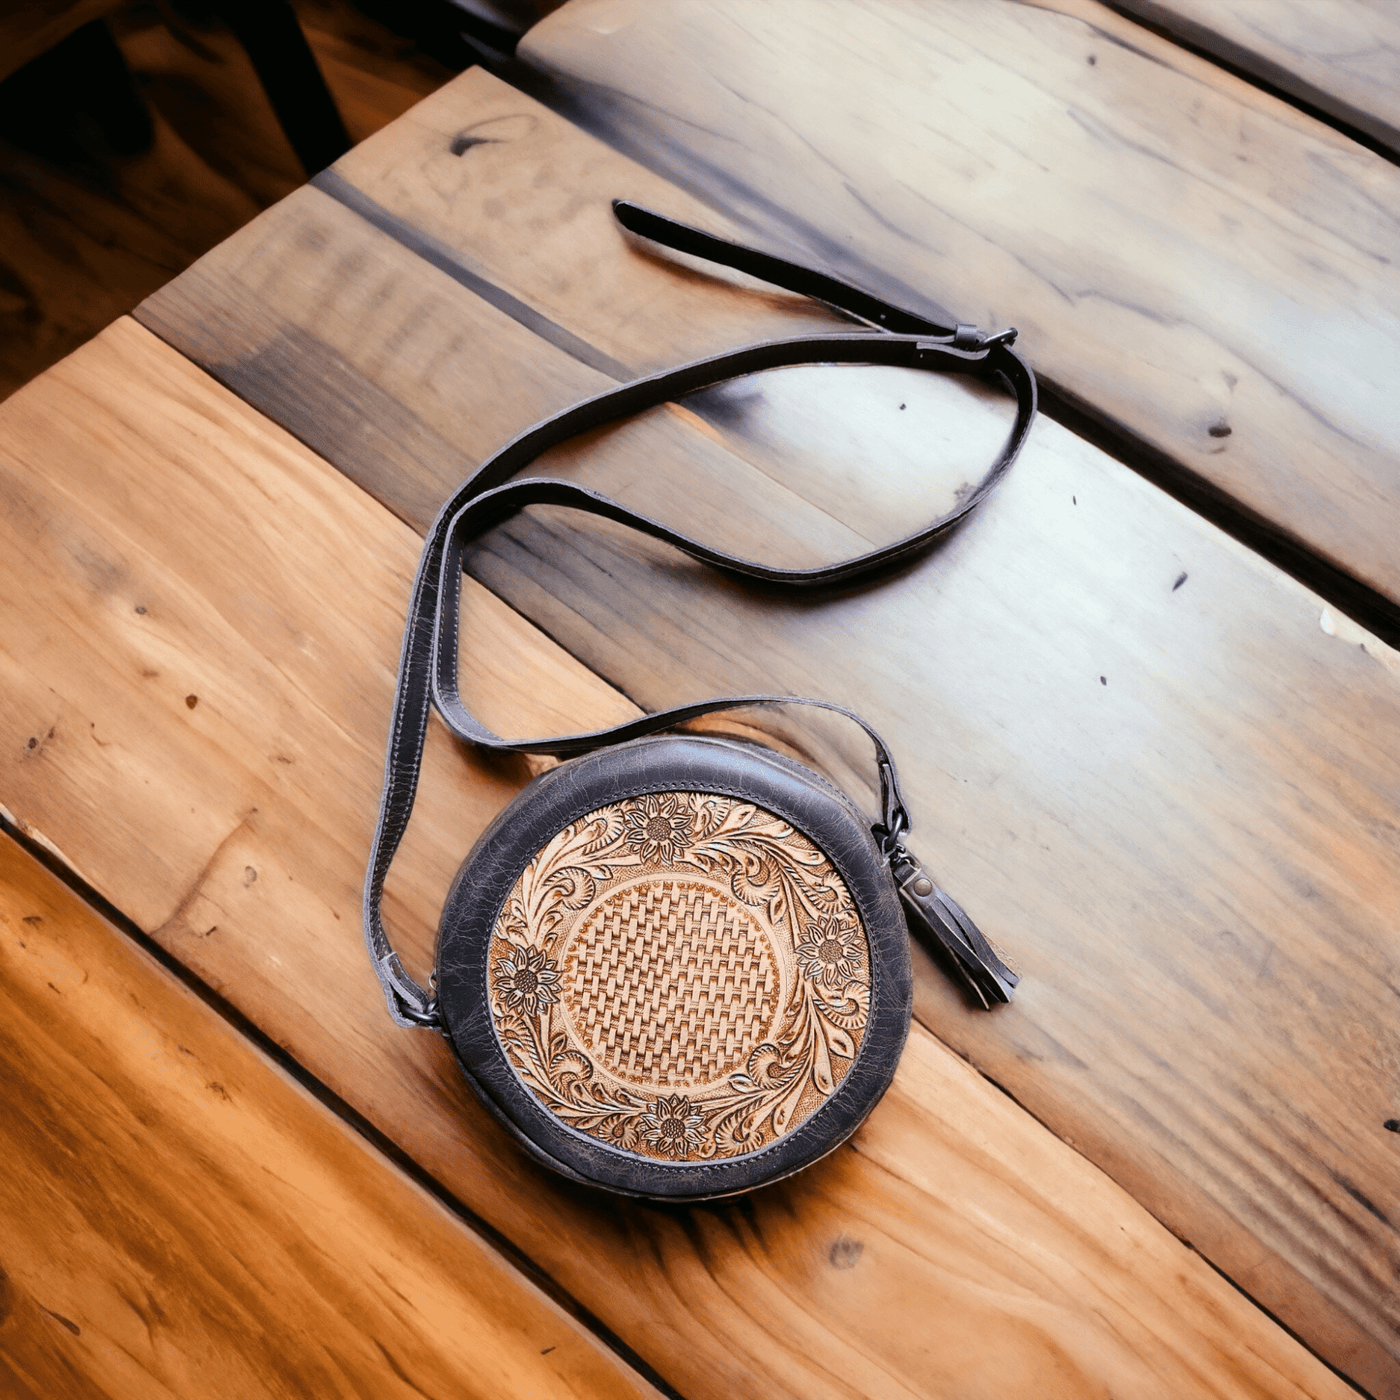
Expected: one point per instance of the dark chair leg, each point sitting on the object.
(84, 73)
(287, 69)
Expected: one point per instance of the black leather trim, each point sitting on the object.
(696, 764)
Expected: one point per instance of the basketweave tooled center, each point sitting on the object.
(681, 975)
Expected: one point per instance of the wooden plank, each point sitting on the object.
(177, 1216)
(954, 1246)
(76, 252)
(1160, 772)
(1340, 56)
(1195, 261)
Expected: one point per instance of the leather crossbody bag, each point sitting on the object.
(676, 966)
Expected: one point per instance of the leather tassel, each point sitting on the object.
(937, 918)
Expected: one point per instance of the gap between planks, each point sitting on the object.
(1336, 61)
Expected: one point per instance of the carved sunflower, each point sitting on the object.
(672, 1127)
(659, 827)
(527, 980)
(830, 952)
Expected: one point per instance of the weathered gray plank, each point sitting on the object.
(1339, 56)
(1195, 261)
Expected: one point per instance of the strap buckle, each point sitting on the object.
(409, 1003)
(894, 817)
(967, 337)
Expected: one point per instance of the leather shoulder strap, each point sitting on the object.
(428, 662)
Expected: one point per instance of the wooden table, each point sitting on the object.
(1158, 769)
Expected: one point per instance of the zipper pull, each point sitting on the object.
(938, 917)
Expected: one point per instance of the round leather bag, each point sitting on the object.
(677, 968)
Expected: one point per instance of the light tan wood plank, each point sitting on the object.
(955, 1244)
(1195, 260)
(1173, 798)
(178, 1217)
(1340, 56)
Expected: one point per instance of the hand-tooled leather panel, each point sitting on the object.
(682, 975)
(669, 983)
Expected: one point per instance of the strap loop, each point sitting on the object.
(428, 661)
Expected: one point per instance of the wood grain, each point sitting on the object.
(955, 1246)
(1194, 260)
(1339, 56)
(1160, 773)
(178, 1217)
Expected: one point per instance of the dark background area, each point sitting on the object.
(105, 197)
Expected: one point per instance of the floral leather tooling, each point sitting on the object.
(682, 975)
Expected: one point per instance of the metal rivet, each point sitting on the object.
(923, 885)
